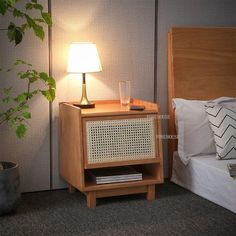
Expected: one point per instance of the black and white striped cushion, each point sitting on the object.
(223, 124)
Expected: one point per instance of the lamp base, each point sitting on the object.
(85, 106)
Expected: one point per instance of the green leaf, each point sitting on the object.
(21, 97)
(14, 33)
(24, 107)
(23, 75)
(19, 62)
(29, 20)
(26, 115)
(21, 130)
(3, 7)
(39, 20)
(33, 79)
(7, 91)
(35, 1)
(11, 2)
(51, 82)
(18, 36)
(11, 31)
(24, 27)
(43, 76)
(49, 94)
(6, 99)
(17, 13)
(20, 74)
(35, 91)
(48, 79)
(29, 6)
(28, 95)
(47, 18)
(38, 7)
(38, 30)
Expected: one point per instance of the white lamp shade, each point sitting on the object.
(83, 58)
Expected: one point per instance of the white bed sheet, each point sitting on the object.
(207, 177)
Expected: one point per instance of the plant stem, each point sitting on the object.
(28, 91)
(2, 121)
(14, 112)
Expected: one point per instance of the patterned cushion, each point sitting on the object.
(223, 124)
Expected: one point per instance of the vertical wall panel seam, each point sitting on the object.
(50, 103)
(155, 52)
(158, 85)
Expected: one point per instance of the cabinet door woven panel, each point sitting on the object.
(120, 140)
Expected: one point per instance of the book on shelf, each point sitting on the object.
(232, 169)
(115, 175)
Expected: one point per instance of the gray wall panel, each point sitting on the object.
(185, 13)
(32, 152)
(124, 33)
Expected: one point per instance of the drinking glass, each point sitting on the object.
(124, 89)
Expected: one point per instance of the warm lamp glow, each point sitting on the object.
(83, 58)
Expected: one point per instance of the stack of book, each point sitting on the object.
(115, 175)
(232, 170)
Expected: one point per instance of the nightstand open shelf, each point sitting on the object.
(110, 135)
(151, 174)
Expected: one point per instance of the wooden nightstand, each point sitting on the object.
(106, 136)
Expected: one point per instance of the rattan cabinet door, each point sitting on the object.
(119, 139)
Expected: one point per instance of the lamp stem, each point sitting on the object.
(84, 80)
(84, 100)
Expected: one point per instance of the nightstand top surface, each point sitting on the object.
(113, 107)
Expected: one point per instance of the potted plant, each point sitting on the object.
(9, 187)
(16, 107)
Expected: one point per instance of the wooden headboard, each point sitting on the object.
(201, 66)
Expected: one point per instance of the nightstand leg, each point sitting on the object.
(91, 199)
(151, 192)
(71, 189)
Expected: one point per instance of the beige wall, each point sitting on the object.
(124, 33)
(32, 152)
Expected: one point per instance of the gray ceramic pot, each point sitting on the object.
(9, 187)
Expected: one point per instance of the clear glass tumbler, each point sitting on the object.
(124, 89)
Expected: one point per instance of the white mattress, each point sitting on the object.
(207, 177)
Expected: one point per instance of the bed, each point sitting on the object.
(201, 67)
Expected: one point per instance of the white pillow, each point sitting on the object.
(195, 136)
(223, 124)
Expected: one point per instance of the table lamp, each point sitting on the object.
(83, 58)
